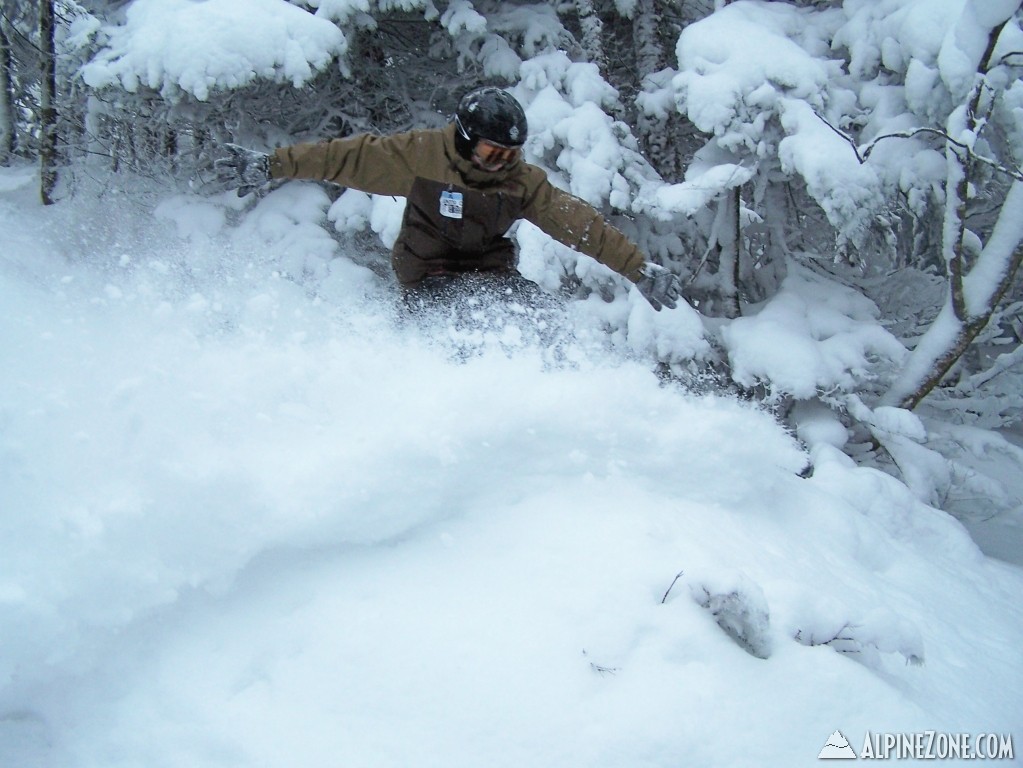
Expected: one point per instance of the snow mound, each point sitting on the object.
(249, 520)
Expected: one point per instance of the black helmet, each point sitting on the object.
(491, 114)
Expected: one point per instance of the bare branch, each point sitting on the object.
(863, 154)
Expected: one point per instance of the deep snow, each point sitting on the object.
(247, 521)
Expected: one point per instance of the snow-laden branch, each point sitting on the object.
(1004, 362)
(863, 154)
(175, 45)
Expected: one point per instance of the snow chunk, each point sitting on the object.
(741, 55)
(814, 335)
(352, 211)
(672, 335)
(193, 216)
(537, 26)
(593, 157)
(895, 32)
(340, 10)
(498, 59)
(816, 424)
(200, 47)
(739, 607)
(880, 630)
(289, 220)
(849, 193)
(701, 186)
(581, 82)
(461, 17)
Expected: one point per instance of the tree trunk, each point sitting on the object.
(8, 125)
(592, 31)
(649, 53)
(649, 60)
(47, 103)
(728, 234)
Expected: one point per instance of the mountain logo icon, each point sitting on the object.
(837, 748)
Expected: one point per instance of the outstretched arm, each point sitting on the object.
(575, 223)
(382, 165)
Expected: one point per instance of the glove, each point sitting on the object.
(659, 286)
(242, 168)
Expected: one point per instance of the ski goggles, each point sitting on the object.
(494, 157)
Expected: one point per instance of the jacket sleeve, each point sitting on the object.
(382, 165)
(578, 225)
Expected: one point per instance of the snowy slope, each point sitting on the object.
(244, 526)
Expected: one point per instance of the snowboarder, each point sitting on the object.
(465, 185)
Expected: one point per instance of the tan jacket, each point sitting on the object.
(456, 216)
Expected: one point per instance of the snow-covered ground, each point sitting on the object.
(243, 525)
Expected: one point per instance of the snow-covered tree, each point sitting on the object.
(876, 143)
(983, 151)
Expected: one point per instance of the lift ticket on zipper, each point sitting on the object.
(451, 204)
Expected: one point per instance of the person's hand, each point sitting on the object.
(242, 168)
(659, 286)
